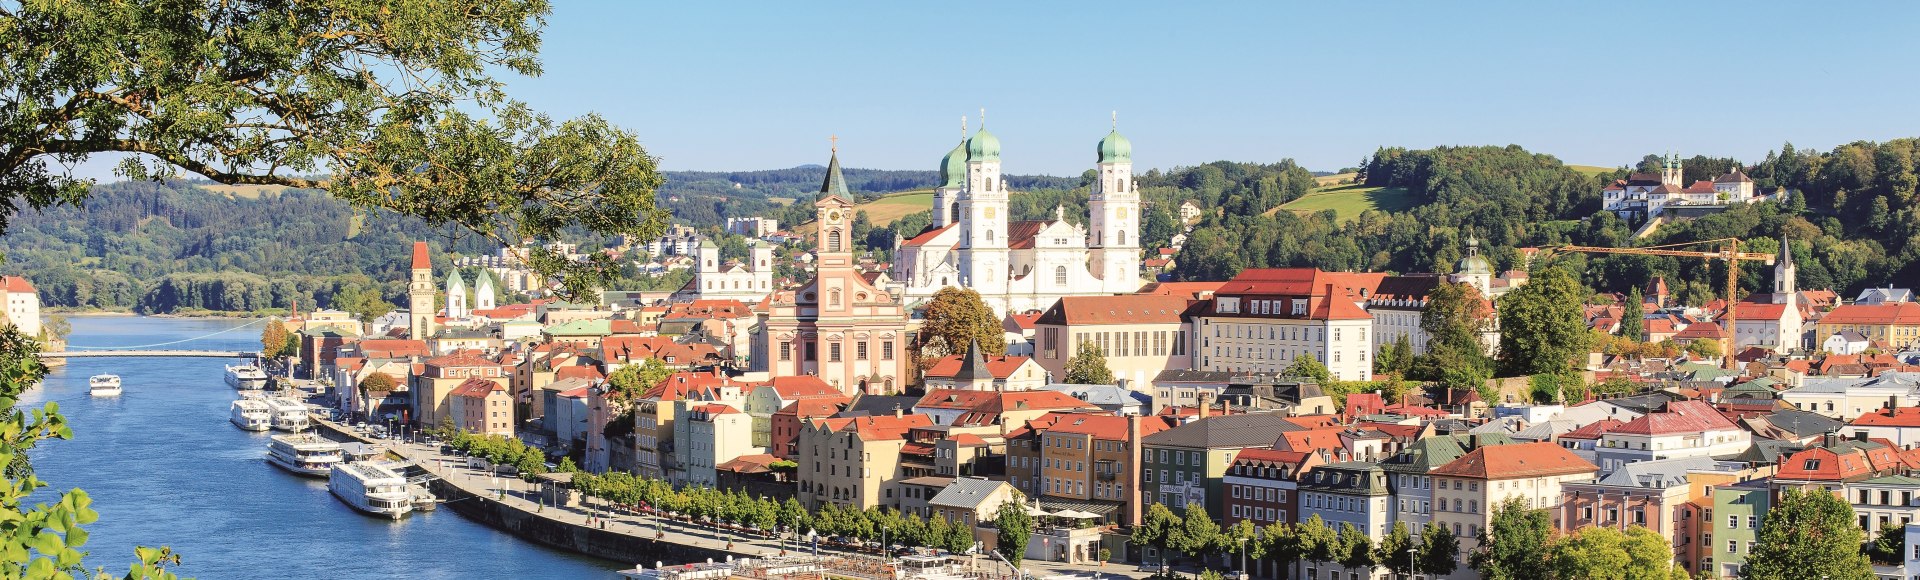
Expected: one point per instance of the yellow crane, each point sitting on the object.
(1729, 250)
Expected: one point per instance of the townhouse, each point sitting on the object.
(1141, 335)
(1185, 464)
(1467, 490)
(853, 462)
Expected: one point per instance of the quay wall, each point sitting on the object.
(619, 547)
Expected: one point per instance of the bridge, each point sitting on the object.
(105, 353)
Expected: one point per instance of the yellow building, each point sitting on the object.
(1140, 334)
(1894, 325)
(854, 462)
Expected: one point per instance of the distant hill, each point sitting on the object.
(710, 197)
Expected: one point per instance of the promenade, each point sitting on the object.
(640, 529)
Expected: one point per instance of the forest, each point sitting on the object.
(704, 198)
(1508, 198)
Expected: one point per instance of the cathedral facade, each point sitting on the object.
(1020, 265)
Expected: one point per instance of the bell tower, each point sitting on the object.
(420, 308)
(1113, 219)
(983, 217)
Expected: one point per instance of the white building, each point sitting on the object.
(709, 434)
(747, 282)
(1265, 318)
(1648, 194)
(1846, 399)
(753, 227)
(23, 304)
(1772, 322)
(1682, 429)
(1023, 265)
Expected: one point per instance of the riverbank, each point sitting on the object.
(196, 315)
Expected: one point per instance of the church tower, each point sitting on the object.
(1670, 171)
(420, 308)
(456, 296)
(953, 179)
(1784, 287)
(983, 218)
(1114, 217)
(483, 291)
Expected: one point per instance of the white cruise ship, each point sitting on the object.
(246, 377)
(371, 488)
(104, 385)
(305, 454)
(288, 414)
(251, 415)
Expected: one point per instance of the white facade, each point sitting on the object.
(23, 304)
(747, 282)
(1269, 345)
(1018, 266)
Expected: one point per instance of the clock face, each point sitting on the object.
(989, 213)
(1123, 213)
(833, 216)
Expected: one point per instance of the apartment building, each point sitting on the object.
(1467, 490)
(853, 462)
(1140, 334)
(1264, 318)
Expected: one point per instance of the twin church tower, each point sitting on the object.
(1019, 265)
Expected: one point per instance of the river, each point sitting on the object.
(164, 467)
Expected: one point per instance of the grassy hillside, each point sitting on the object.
(1350, 200)
(893, 206)
(1590, 169)
(243, 191)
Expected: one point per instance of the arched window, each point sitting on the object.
(833, 241)
(1120, 186)
(989, 235)
(1060, 276)
(989, 184)
(1123, 237)
(833, 297)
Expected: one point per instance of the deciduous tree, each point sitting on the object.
(1439, 551)
(1453, 320)
(1014, 527)
(1306, 367)
(957, 316)
(1514, 545)
(1543, 328)
(1088, 367)
(1808, 535)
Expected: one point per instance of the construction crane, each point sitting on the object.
(1729, 251)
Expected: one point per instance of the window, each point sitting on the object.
(833, 352)
(833, 241)
(1060, 276)
(1753, 522)
(886, 350)
(860, 350)
(1733, 522)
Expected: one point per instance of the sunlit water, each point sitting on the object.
(164, 467)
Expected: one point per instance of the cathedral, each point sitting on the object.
(1023, 265)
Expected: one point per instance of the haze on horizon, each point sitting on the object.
(720, 87)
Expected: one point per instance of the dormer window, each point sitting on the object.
(1812, 465)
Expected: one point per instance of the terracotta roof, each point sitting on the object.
(756, 463)
(1020, 234)
(639, 348)
(1757, 311)
(679, 385)
(1515, 461)
(1593, 430)
(1679, 417)
(706, 309)
(877, 428)
(588, 372)
(1001, 366)
(1121, 309)
(461, 359)
(1313, 440)
(1706, 330)
(1893, 313)
(420, 259)
(1022, 320)
(817, 407)
(476, 388)
(1900, 417)
(803, 387)
(1193, 290)
(927, 235)
(391, 348)
(1702, 186)
(16, 284)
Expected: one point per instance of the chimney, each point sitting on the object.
(1206, 403)
(1893, 402)
(896, 411)
(1831, 439)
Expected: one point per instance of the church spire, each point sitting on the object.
(835, 183)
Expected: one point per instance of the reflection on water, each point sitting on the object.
(164, 467)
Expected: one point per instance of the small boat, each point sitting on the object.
(246, 377)
(371, 488)
(305, 454)
(251, 415)
(288, 414)
(104, 385)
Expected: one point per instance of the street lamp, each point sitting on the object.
(1411, 548)
(1243, 558)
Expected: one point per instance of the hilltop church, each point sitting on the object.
(1023, 265)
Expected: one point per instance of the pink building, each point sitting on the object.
(482, 406)
(838, 326)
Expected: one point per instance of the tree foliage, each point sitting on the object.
(1633, 323)
(1454, 319)
(628, 382)
(387, 106)
(376, 383)
(1307, 367)
(1808, 535)
(1602, 553)
(1014, 527)
(1515, 544)
(1439, 551)
(1088, 366)
(1542, 325)
(954, 318)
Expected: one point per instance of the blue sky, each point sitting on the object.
(726, 86)
(721, 86)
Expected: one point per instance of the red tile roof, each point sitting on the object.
(1900, 417)
(708, 309)
(1193, 290)
(460, 359)
(1891, 313)
(1515, 461)
(803, 387)
(817, 407)
(1679, 417)
(1001, 366)
(1593, 430)
(420, 260)
(927, 235)
(16, 284)
(1122, 309)
(477, 388)
(1706, 330)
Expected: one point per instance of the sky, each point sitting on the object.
(740, 86)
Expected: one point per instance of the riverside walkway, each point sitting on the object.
(642, 528)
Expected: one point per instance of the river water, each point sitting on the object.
(164, 467)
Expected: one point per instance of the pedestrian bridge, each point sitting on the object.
(106, 353)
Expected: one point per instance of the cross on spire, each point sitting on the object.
(835, 140)
(963, 127)
(1116, 120)
(983, 117)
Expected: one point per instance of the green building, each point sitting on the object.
(1737, 512)
(1184, 464)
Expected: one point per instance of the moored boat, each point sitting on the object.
(251, 415)
(288, 414)
(304, 453)
(246, 377)
(371, 488)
